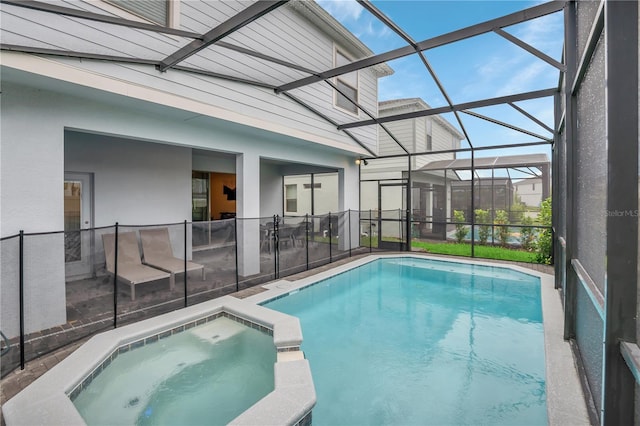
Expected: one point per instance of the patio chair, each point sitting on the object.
(267, 237)
(156, 247)
(130, 267)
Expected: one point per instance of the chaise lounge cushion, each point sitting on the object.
(158, 253)
(130, 267)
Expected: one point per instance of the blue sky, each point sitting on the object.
(482, 67)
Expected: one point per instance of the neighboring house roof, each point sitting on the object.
(527, 181)
(336, 31)
(484, 181)
(418, 104)
(502, 162)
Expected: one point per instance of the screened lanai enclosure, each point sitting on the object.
(433, 178)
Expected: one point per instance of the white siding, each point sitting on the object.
(283, 33)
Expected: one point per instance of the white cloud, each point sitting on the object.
(545, 33)
(342, 10)
(524, 80)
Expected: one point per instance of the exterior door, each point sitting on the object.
(78, 221)
(391, 220)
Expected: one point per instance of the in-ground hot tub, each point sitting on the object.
(123, 375)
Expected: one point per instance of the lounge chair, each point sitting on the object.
(130, 267)
(158, 253)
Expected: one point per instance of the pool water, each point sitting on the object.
(415, 342)
(208, 374)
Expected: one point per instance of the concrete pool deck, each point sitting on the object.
(564, 393)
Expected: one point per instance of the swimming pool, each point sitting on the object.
(413, 341)
(208, 374)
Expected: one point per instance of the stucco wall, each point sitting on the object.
(134, 182)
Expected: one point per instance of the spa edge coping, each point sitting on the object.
(46, 400)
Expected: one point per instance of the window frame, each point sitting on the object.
(287, 199)
(356, 112)
(172, 19)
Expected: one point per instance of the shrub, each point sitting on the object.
(543, 245)
(461, 229)
(482, 216)
(527, 235)
(502, 218)
(517, 212)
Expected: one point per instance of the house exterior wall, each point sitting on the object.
(530, 191)
(34, 201)
(150, 184)
(271, 187)
(209, 163)
(285, 33)
(96, 108)
(326, 197)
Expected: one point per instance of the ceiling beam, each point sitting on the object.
(459, 107)
(321, 115)
(507, 125)
(395, 28)
(472, 31)
(241, 19)
(515, 40)
(125, 59)
(531, 117)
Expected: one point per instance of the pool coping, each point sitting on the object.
(47, 400)
(294, 395)
(565, 398)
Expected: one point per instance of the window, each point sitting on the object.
(291, 198)
(315, 186)
(347, 84)
(429, 143)
(156, 11)
(533, 186)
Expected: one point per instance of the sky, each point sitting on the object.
(482, 67)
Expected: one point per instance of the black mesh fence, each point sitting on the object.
(320, 234)
(292, 245)
(10, 297)
(78, 283)
(213, 269)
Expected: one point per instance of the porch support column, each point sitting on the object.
(348, 198)
(248, 212)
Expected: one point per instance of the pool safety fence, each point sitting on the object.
(64, 286)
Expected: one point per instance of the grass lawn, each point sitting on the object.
(486, 252)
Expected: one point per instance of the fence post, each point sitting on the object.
(553, 246)
(235, 224)
(306, 225)
(349, 230)
(21, 290)
(330, 254)
(400, 227)
(115, 280)
(186, 303)
(370, 232)
(276, 244)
